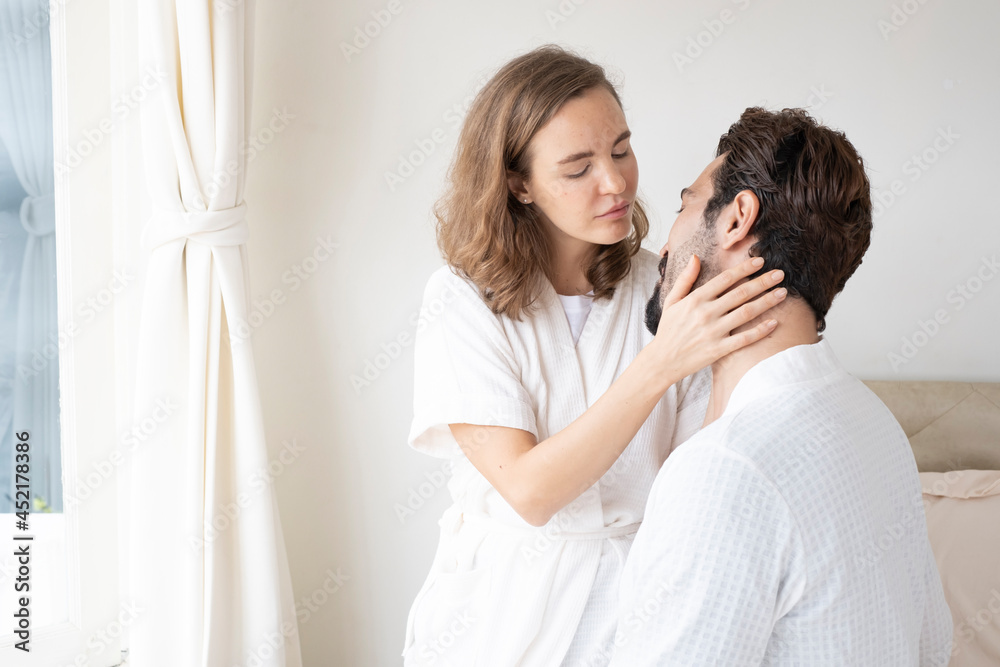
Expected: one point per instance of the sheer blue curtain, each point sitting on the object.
(26, 131)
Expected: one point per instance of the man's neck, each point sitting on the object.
(796, 326)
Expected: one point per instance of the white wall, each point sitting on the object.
(323, 175)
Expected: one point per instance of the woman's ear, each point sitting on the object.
(515, 183)
(742, 215)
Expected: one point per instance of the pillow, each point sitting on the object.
(963, 524)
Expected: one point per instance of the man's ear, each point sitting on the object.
(515, 183)
(741, 215)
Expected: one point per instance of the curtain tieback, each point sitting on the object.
(38, 214)
(222, 227)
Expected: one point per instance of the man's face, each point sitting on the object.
(690, 235)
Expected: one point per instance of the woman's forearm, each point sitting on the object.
(558, 469)
(539, 479)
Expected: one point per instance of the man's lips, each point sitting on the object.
(617, 211)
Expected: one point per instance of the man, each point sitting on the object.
(790, 529)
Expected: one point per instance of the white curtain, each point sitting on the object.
(26, 130)
(208, 564)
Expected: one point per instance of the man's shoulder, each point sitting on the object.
(708, 468)
(838, 399)
(805, 433)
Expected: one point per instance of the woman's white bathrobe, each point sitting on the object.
(500, 591)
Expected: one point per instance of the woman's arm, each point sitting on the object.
(539, 478)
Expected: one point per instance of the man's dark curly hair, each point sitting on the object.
(815, 216)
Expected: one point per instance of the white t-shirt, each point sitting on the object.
(577, 308)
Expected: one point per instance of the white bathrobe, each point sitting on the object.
(500, 591)
(790, 531)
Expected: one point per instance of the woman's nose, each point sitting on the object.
(614, 181)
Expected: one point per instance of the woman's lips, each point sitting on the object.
(615, 213)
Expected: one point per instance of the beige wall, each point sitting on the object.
(328, 129)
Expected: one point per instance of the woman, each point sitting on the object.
(555, 418)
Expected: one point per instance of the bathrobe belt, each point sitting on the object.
(552, 533)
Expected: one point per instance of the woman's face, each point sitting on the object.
(583, 173)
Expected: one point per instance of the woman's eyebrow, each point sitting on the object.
(579, 156)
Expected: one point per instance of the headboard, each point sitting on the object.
(951, 425)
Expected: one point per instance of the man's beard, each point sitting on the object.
(703, 244)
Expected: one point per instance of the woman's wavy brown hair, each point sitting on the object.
(483, 230)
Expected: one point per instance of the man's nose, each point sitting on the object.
(664, 249)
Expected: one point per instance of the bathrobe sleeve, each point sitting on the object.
(465, 371)
(709, 572)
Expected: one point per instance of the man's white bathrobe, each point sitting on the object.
(500, 591)
(790, 531)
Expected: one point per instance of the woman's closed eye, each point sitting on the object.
(617, 156)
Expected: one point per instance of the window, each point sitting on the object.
(76, 615)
